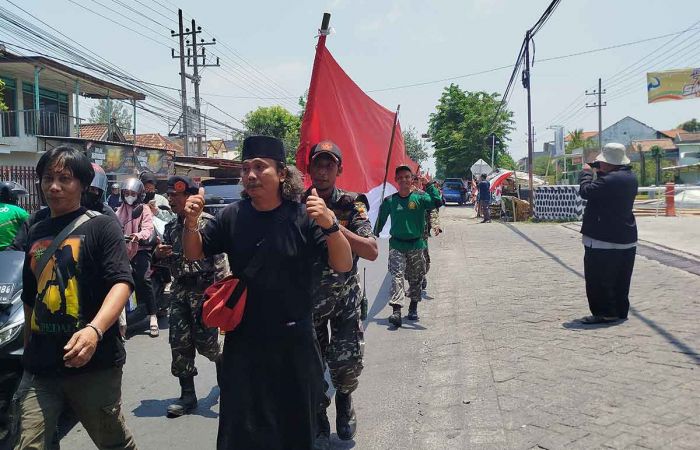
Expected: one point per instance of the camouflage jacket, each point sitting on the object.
(351, 211)
(212, 268)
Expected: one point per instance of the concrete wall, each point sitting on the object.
(20, 159)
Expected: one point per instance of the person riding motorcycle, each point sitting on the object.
(137, 224)
(11, 216)
(94, 197)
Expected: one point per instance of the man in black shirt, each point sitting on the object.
(609, 232)
(271, 368)
(73, 354)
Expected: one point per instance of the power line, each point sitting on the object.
(553, 58)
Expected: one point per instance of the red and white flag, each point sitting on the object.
(338, 110)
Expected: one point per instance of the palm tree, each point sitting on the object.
(577, 140)
(657, 154)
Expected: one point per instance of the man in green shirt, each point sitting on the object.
(406, 258)
(11, 216)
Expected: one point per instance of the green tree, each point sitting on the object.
(460, 126)
(120, 113)
(3, 106)
(577, 141)
(415, 148)
(691, 126)
(278, 122)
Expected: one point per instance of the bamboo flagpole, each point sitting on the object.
(391, 145)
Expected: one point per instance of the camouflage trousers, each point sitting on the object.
(341, 339)
(188, 333)
(409, 264)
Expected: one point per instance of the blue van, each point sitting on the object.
(453, 191)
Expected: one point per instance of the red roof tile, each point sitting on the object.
(647, 144)
(94, 131)
(155, 140)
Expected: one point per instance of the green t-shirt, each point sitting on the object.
(407, 217)
(11, 218)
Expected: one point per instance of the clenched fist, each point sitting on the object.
(193, 209)
(316, 209)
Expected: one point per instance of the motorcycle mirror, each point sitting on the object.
(136, 213)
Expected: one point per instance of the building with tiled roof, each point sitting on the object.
(101, 132)
(155, 140)
(645, 145)
(673, 133)
(585, 135)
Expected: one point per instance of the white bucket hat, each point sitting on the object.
(614, 154)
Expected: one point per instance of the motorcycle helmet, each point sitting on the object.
(99, 181)
(10, 191)
(134, 185)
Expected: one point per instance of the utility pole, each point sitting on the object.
(599, 105)
(193, 61)
(526, 85)
(183, 80)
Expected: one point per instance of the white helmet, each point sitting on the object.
(135, 185)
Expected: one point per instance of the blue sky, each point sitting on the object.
(386, 43)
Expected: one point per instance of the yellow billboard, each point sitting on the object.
(682, 84)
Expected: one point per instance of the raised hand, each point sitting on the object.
(316, 209)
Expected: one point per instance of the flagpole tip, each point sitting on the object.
(325, 29)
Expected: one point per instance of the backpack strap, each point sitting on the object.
(51, 249)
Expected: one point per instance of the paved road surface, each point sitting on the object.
(496, 361)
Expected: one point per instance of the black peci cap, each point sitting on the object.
(263, 147)
(148, 177)
(181, 183)
(326, 147)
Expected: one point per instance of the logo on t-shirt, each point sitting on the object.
(412, 205)
(57, 308)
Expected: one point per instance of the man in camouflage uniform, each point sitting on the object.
(190, 278)
(337, 296)
(407, 209)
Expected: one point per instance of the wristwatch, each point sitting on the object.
(333, 228)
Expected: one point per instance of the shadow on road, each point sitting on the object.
(157, 408)
(670, 337)
(577, 325)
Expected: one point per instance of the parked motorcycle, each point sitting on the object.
(11, 334)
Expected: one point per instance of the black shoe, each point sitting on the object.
(345, 419)
(395, 317)
(323, 432)
(187, 401)
(412, 311)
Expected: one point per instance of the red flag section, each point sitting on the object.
(337, 109)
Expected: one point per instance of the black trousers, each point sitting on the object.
(141, 262)
(608, 275)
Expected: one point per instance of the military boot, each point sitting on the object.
(345, 419)
(323, 431)
(187, 401)
(395, 317)
(412, 311)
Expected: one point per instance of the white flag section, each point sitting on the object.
(375, 201)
